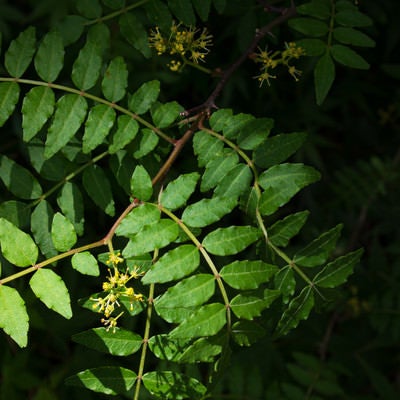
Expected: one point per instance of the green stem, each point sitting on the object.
(196, 66)
(94, 98)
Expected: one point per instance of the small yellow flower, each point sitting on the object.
(111, 322)
(114, 258)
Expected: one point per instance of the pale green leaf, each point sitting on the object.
(51, 290)
(13, 316)
(144, 97)
(151, 237)
(70, 113)
(207, 147)
(62, 233)
(164, 115)
(98, 187)
(18, 180)
(85, 263)
(178, 191)
(248, 305)
(173, 265)
(141, 185)
(231, 240)
(245, 333)
(37, 108)
(220, 118)
(17, 246)
(324, 75)
(173, 385)
(208, 320)
(120, 342)
(247, 274)
(125, 133)
(336, 272)
(135, 33)
(9, 94)
(99, 122)
(20, 53)
(235, 182)
(115, 80)
(208, 211)
(107, 380)
(49, 59)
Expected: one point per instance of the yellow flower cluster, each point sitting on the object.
(115, 288)
(270, 61)
(188, 43)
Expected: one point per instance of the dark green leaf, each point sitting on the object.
(206, 147)
(336, 272)
(85, 263)
(18, 180)
(37, 108)
(285, 282)
(202, 8)
(309, 26)
(245, 333)
(235, 182)
(324, 75)
(69, 116)
(71, 28)
(148, 142)
(13, 316)
(71, 203)
(89, 8)
(173, 265)
(165, 114)
(183, 10)
(107, 380)
(119, 343)
(17, 246)
(247, 274)
(17, 212)
(51, 290)
(248, 305)
(353, 37)
(220, 118)
(126, 132)
(159, 14)
(115, 80)
(135, 33)
(166, 348)
(202, 350)
(19, 55)
(9, 94)
(352, 18)
(141, 185)
(49, 59)
(254, 132)
(231, 240)
(348, 57)
(316, 8)
(234, 124)
(144, 97)
(312, 47)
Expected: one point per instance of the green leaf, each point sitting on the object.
(100, 120)
(142, 215)
(233, 125)
(220, 118)
(173, 385)
(173, 265)
(245, 333)
(17, 246)
(70, 201)
(135, 33)
(37, 108)
(119, 343)
(278, 149)
(98, 187)
(144, 97)
(17, 212)
(107, 380)
(86, 68)
(89, 8)
(281, 182)
(51, 290)
(202, 8)
(165, 114)
(179, 190)
(316, 8)
(155, 236)
(247, 274)
(126, 132)
(283, 230)
(207, 211)
(312, 47)
(148, 142)
(353, 37)
(9, 94)
(13, 316)
(49, 59)
(284, 281)
(254, 132)
(206, 147)
(141, 185)
(62, 233)
(19, 55)
(299, 309)
(18, 180)
(166, 348)
(208, 320)
(348, 57)
(202, 350)
(336, 272)
(115, 80)
(216, 170)
(231, 240)
(85, 263)
(179, 301)
(114, 4)
(249, 305)
(352, 18)
(158, 13)
(235, 182)
(70, 113)
(324, 75)
(41, 220)
(318, 251)
(309, 26)
(71, 28)
(183, 10)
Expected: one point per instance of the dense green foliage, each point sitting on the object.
(164, 229)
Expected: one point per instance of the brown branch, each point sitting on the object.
(209, 104)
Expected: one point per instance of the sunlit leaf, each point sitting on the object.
(141, 185)
(62, 233)
(85, 263)
(166, 348)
